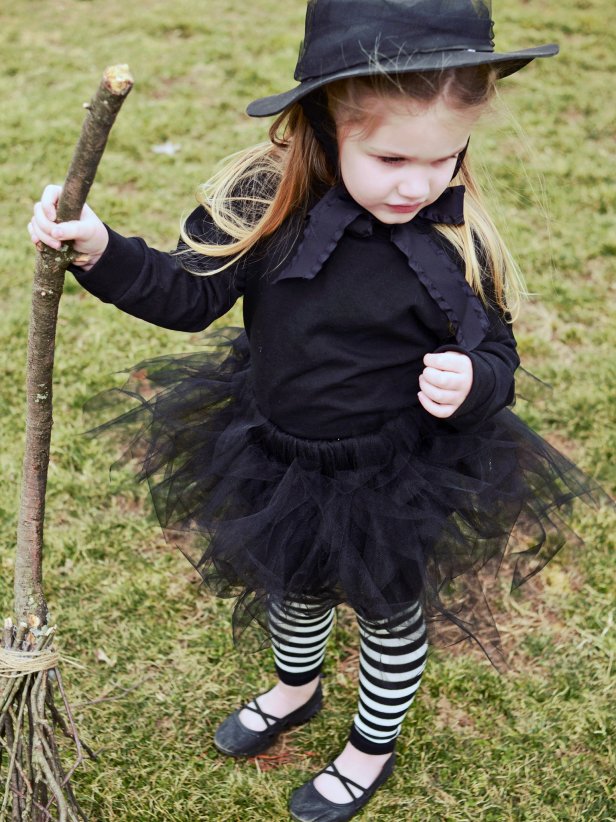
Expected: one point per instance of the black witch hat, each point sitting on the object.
(351, 38)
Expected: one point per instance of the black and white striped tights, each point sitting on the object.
(391, 663)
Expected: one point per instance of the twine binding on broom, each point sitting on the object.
(14, 664)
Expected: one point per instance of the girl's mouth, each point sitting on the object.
(404, 209)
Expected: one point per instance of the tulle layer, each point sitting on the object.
(413, 510)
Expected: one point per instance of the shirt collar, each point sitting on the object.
(327, 221)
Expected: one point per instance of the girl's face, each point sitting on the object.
(406, 161)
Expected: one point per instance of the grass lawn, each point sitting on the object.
(158, 668)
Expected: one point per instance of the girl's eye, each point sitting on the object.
(388, 160)
(446, 160)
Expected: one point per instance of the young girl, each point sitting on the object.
(353, 444)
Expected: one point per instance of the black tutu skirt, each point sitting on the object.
(412, 511)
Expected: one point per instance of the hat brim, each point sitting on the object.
(505, 63)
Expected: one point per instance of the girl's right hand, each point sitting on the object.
(88, 233)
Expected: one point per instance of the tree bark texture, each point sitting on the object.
(51, 265)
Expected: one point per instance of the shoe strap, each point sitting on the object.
(267, 718)
(345, 781)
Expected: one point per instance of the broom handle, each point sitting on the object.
(50, 267)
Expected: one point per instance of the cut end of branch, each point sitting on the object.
(118, 79)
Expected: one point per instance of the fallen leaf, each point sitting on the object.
(101, 656)
(167, 148)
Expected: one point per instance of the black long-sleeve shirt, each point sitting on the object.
(339, 308)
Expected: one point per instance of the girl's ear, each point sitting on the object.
(317, 113)
(460, 159)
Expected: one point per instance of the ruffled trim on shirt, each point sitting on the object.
(326, 223)
(445, 282)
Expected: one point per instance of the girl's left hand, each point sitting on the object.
(445, 382)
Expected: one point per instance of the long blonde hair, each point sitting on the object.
(258, 188)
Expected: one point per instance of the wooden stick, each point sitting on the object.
(46, 291)
(7, 633)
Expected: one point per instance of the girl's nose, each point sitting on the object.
(414, 185)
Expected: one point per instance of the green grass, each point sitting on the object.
(534, 745)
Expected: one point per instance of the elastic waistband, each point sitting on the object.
(343, 454)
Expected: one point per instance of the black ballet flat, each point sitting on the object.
(235, 739)
(308, 805)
